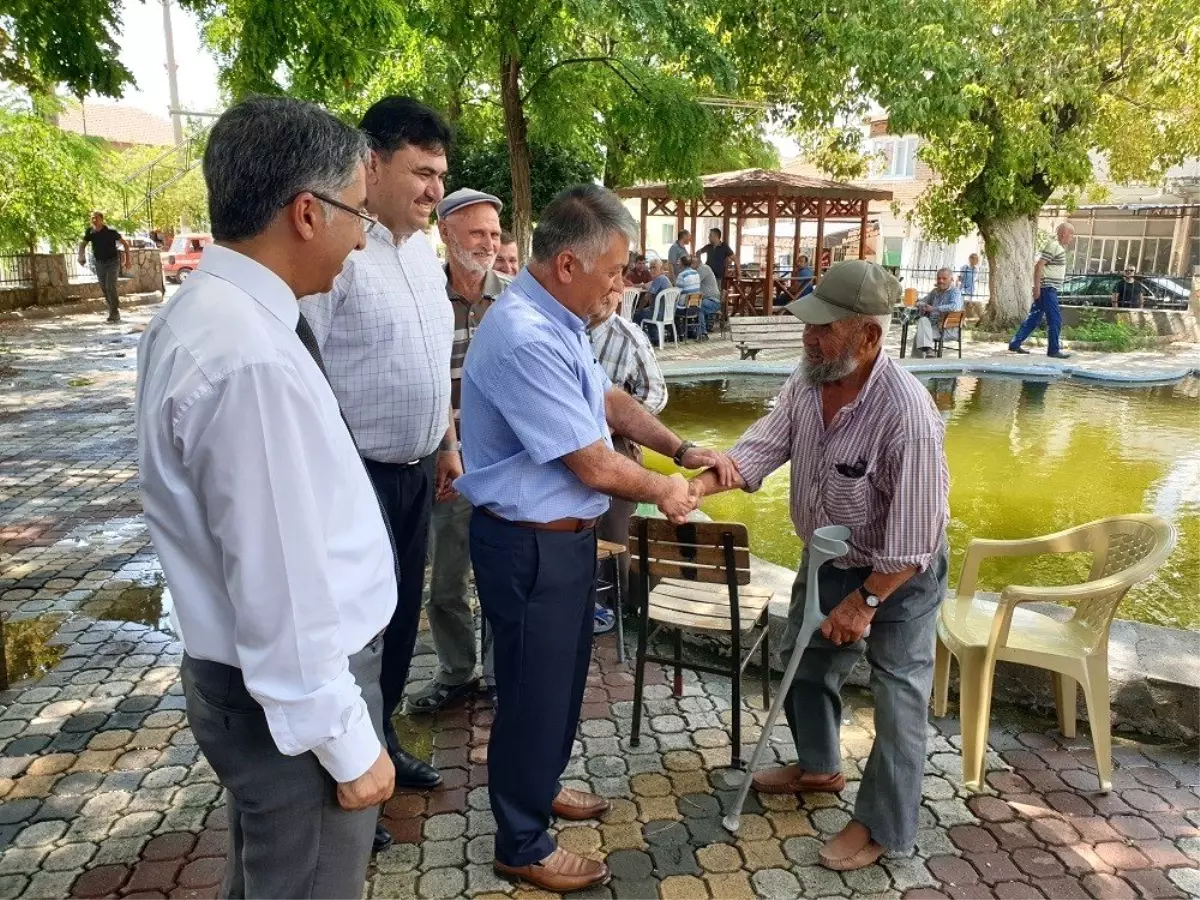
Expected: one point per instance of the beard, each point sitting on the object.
(817, 374)
(468, 260)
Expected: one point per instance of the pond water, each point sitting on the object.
(1027, 457)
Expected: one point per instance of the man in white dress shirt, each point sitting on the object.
(269, 532)
(385, 331)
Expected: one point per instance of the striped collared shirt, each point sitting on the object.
(467, 317)
(625, 354)
(1054, 255)
(385, 332)
(879, 468)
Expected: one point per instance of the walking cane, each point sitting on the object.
(827, 543)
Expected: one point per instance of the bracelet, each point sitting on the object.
(455, 447)
(682, 452)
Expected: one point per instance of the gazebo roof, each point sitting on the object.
(761, 183)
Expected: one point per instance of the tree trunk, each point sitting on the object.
(1009, 244)
(515, 127)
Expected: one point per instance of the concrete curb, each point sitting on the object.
(78, 307)
(950, 368)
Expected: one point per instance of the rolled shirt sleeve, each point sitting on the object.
(651, 385)
(543, 402)
(767, 444)
(917, 514)
(253, 447)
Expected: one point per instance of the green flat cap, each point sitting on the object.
(854, 287)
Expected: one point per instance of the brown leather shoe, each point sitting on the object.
(851, 848)
(560, 872)
(794, 780)
(576, 805)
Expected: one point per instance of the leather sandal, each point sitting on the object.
(851, 848)
(436, 695)
(560, 872)
(794, 780)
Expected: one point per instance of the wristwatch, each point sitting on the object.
(682, 452)
(453, 447)
(868, 598)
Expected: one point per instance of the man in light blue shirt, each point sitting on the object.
(537, 411)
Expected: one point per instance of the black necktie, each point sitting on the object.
(309, 340)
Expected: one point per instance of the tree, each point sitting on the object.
(43, 45)
(1010, 97)
(49, 182)
(485, 168)
(615, 84)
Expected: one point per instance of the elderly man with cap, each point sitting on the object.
(864, 441)
(386, 332)
(469, 224)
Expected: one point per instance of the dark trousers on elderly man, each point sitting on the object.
(406, 494)
(538, 591)
(900, 651)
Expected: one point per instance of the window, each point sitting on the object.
(668, 234)
(894, 158)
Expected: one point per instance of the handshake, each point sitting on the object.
(683, 496)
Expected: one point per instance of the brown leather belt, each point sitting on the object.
(575, 525)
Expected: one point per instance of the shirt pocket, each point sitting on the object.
(848, 500)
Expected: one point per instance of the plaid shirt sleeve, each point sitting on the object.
(916, 518)
(650, 386)
(767, 444)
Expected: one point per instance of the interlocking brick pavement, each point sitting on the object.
(104, 794)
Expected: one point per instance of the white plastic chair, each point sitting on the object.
(663, 316)
(629, 297)
(979, 632)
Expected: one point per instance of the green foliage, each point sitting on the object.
(1115, 337)
(486, 168)
(1010, 96)
(43, 45)
(49, 182)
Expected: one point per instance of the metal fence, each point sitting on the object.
(924, 280)
(76, 272)
(16, 270)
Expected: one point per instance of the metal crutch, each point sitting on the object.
(827, 543)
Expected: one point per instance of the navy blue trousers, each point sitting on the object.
(1045, 306)
(406, 493)
(538, 591)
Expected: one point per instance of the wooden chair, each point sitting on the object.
(979, 631)
(688, 318)
(705, 586)
(607, 551)
(951, 322)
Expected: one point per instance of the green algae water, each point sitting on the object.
(1027, 457)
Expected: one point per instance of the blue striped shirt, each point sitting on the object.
(532, 392)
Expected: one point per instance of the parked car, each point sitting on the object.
(181, 260)
(1096, 289)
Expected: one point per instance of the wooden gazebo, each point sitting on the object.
(761, 194)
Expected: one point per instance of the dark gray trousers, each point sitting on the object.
(900, 651)
(107, 273)
(288, 837)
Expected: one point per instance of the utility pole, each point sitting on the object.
(173, 87)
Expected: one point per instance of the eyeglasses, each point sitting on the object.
(369, 220)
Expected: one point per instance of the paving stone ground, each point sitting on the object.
(104, 794)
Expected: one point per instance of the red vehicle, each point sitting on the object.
(184, 256)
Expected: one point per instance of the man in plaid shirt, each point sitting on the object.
(625, 354)
(864, 441)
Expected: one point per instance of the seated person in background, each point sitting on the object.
(659, 282)
(1129, 292)
(710, 293)
(688, 282)
(944, 298)
(804, 276)
(637, 273)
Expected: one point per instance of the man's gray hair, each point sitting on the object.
(264, 151)
(945, 269)
(582, 219)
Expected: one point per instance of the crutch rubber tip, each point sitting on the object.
(731, 823)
